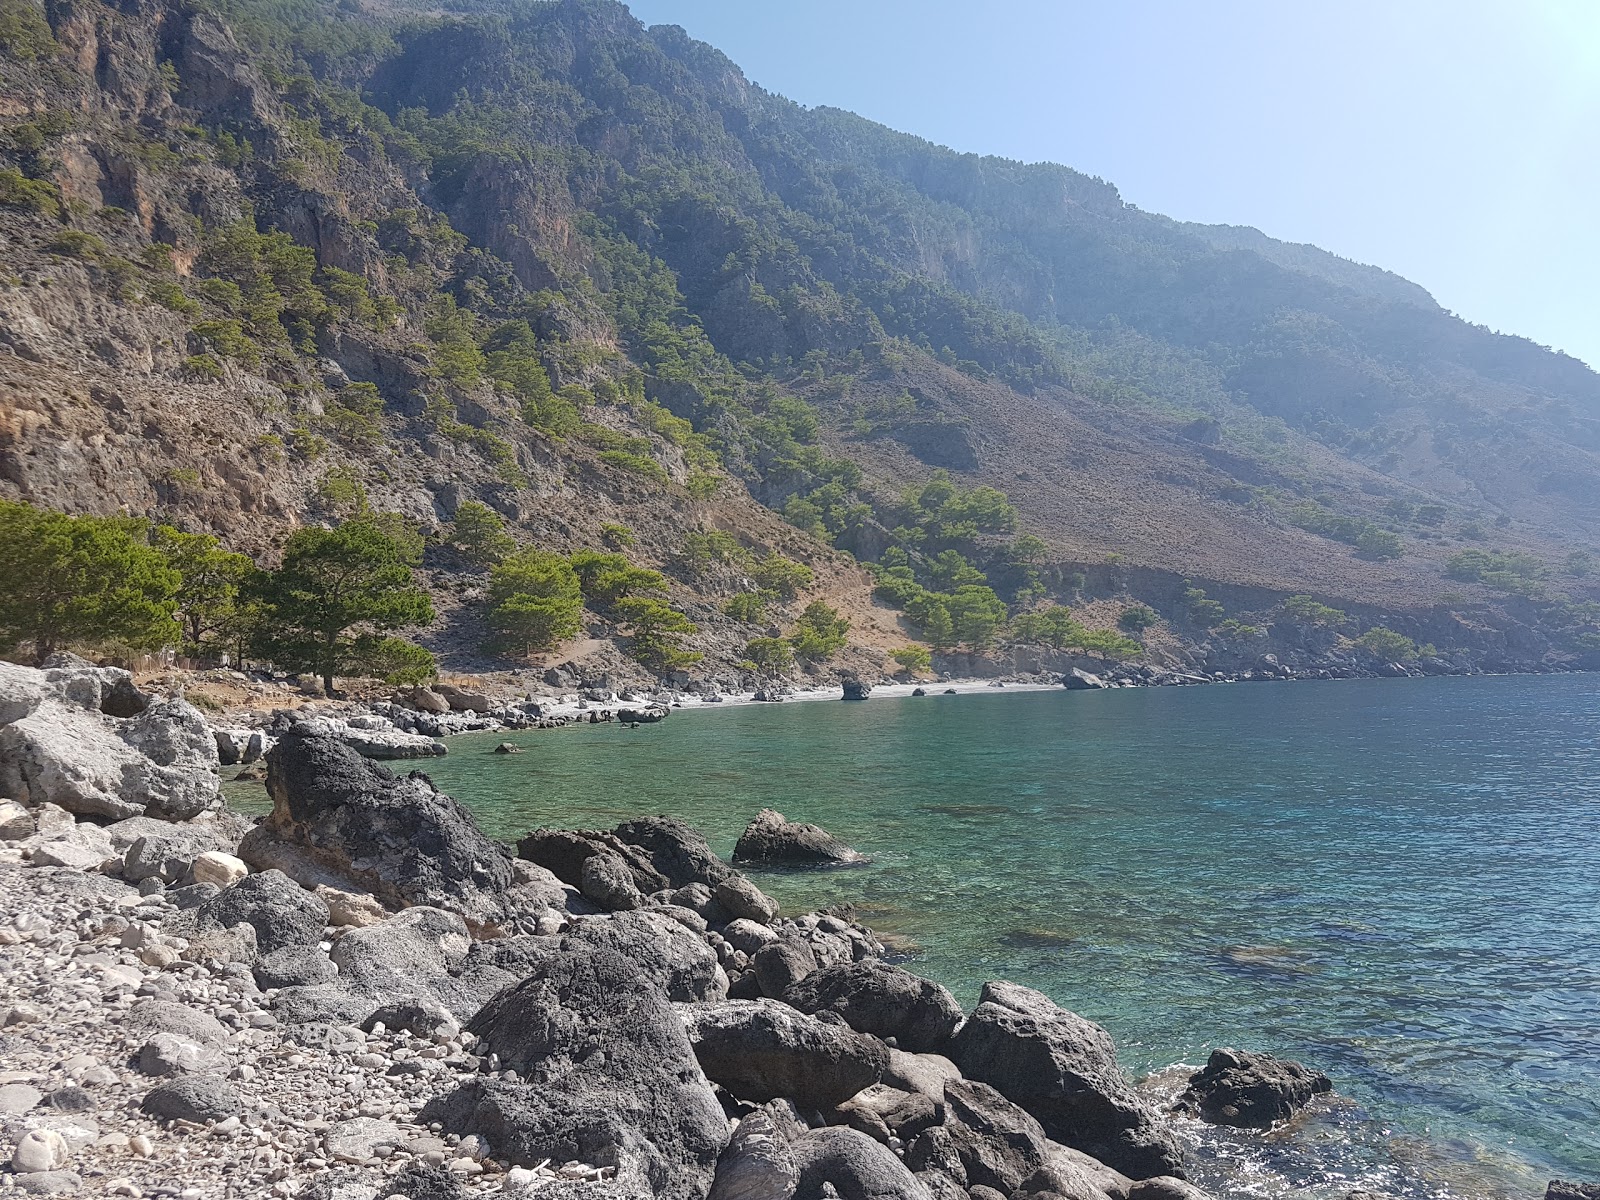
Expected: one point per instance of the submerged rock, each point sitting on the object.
(772, 838)
(1253, 1090)
(1063, 1070)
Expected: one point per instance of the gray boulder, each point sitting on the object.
(660, 852)
(1561, 1189)
(166, 852)
(762, 1050)
(280, 911)
(759, 1163)
(197, 1098)
(608, 1077)
(380, 741)
(773, 839)
(664, 951)
(1078, 680)
(1063, 1070)
(1255, 1090)
(606, 880)
(780, 964)
(150, 1017)
(341, 821)
(294, 966)
(874, 997)
(744, 900)
(850, 1165)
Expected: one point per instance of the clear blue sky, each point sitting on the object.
(1456, 142)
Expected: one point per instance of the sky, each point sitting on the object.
(1455, 142)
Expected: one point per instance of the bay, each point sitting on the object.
(1395, 881)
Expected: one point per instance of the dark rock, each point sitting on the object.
(508, 748)
(882, 1112)
(918, 692)
(198, 1098)
(874, 997)
(71, 1099)
(771, 838)
(280, 911)
(150, 1017)
(1560, 1189)
(192, 896)
(1237, 1087)
(342, 820)
(1063, 1070)
(761, 1050)
(643, 716)
(1165, 1187)
(759, 1162)
(744, 899)
(610, 1077)
(999, 1144)
(417, 1016)
(779, 966)
(292, 966)
(419, 1181)
(1068, 1174)
(856, 689)
(607, 881)
(412, 953)
(663, 951)
(853, 1166)
(661, 853)
(1077, 680)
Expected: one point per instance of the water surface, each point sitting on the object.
(1396, 881)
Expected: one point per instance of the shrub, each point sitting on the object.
(913, 660)
(636, 464)
(704, 548)
(1137, 619)
(1303, 610)
(201, 366)
(1474, 565)
(618, 537)
(480, 534)
(1203, 611)
(783, 576)
(1387, 644)
(169, 295)
(33, 195)
(748, 607)
(74, 243)
(1579, 564)
(356, 413)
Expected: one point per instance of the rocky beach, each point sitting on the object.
(361, 995)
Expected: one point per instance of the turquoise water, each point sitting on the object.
(1396, 881)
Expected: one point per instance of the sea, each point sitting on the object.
(1396, 882)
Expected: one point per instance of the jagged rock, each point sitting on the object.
(411, 953)
(57, 746)
(643, 716)
(771, 838)
(850, 1165)
(1068, 1174)
(882, 1112)
(16, 822)
(82, 847)
(508, 748)
(423, 700)
(609, 1077)
(1063, 1070)
(461, 700)
(1239, 1088)
(997, 1143)
(761, 1050)
(167, 853)
(280, 911)
(664, 951)
(1561, 1189)
(350, 909)
(341, 821)
(385, 743)
(198, 1098)
(885, 1001)
(661, 853)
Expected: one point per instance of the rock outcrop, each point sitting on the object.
(1063, 1070)
(1237, 1087)
(341, 821)
(774, 840)
(885, 1001)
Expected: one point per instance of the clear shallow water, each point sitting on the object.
(1396, 881)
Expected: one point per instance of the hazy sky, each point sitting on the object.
(1456, 142)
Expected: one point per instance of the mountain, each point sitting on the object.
(270, 260)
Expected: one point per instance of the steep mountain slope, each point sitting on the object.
(595, 276)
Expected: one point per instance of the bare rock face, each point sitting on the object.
(1254, 1090)
(61, 744)
(341, 821)
(1063, 1070)
(608, 1077)
(773, 839)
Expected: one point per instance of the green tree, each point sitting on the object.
(1579, 564)
(338, 592)
(658, 632)
(89, 580)
(608, 579)
(704, 548)
(748, 607)
(820, 632)
(913, 660)
(781, 575)
(1203, 611)
(535, 600)
(976, 614)
(480, 534)
(1303, 610)
(208, 598)
(771, 656)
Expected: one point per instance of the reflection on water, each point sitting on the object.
(1396, 881)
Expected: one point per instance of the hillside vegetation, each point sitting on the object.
(554, 295)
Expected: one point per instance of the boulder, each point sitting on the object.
(150, 1017)
(40, 1150)
(382, 742)
(79, 847)
(643, 716)
(1078, 680)
(773, 839)
(856, 689)
(461, 700)
(197, 1098)
(848, 1164)
(350, 909)
(998, 1144)
(294, 966)
(1560, 1189)
(411, 953)
(746, 935)
(779, 965)
(280, 911)
(1253, 1090)
(924, 1073)
(608, 1077)
(1063, 1070)
(1069, 1174)
(885, 1001)
(882, 1112)
(16, 822)
(168, 851)
(745, 900)
(759, 1163)
(422, 699)
(162, 762)
(508, 748)
(218, 869)
(660, 852)
(661, 949)
(762, 1050)
(606, 880)
(347, 823)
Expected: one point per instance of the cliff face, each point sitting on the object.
(547, 237)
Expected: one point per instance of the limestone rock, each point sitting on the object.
(219, 869)
(40, 1150)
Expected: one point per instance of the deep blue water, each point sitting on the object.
(1395, 881)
